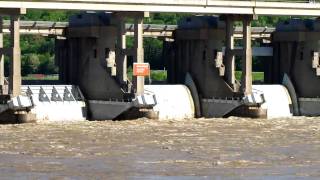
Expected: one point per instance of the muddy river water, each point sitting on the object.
(231, 148)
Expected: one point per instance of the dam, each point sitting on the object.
(199, 53)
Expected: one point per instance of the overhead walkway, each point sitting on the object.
(150, 30)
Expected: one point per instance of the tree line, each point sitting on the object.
(38, 52)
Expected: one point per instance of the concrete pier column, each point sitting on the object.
(230, 58)
(139, 51)
(15, 57)
(246, 79)
(121, 60)
(1, 55)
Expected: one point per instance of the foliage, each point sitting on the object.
(44, 15)
(153, 53)
(256, 76)
(38, 51)
(165, 18)
(158, 75)
(30, 63)
(51, 77)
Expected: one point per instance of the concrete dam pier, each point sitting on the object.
(200, 58)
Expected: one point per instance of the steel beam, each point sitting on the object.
(12, 11)
(149, 30)
(256, 51)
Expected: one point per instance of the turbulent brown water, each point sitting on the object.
(151, 149)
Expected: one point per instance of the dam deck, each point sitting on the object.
(103, 40)
(299, 8)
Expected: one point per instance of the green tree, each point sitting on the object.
(30, 64)
(47, 65)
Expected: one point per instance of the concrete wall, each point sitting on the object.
(87, 57)
(294, 45)
(195, 51)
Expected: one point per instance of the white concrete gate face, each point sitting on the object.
(277, 99)
(56, 103)
(173, 101)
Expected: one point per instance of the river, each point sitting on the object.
(233, 148)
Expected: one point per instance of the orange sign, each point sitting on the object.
(141, 69)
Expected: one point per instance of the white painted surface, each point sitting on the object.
(277, 99)
(64, 110)
(173, 101)
(20, 102)
(59, 111)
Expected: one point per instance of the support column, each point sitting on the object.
(15, 57)
(121, 60)
(139, 51)
(246, 79)
(1, 55)
(230, 59)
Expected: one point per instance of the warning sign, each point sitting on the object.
(141, 69)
